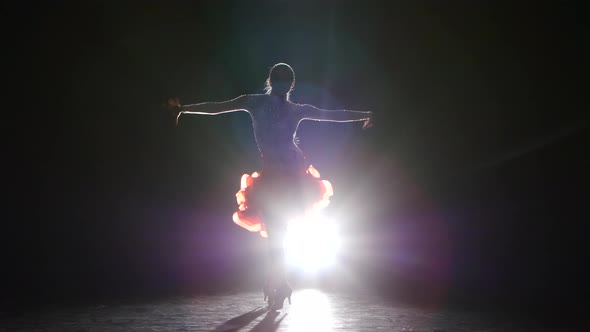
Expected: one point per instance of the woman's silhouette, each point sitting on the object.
(286, 187)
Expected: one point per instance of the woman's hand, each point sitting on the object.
(172, 105)
(369, 122)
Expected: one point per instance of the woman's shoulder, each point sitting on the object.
(296, 107)
(250, 101)
(255, 98)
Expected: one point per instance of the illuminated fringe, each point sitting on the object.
(250, 218)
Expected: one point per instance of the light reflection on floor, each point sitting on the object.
(311, 311)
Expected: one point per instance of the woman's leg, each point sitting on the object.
(277, 287)
(276, 231)
(277, 209)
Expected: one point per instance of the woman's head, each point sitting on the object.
(281, 80)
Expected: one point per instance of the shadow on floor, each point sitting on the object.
(240, 321)
(268, 323)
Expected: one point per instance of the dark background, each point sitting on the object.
(469, 191)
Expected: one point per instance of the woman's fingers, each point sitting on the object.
(172, 105)
(369, 122)
(173, 102)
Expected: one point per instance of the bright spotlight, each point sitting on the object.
(312, 244)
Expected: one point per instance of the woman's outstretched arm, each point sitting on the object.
(210, 108)
(215, 108)
(310, 112)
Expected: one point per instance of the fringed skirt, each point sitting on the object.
(285, 197)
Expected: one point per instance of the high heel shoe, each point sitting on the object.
(282, 293)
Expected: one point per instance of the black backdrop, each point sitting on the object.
(470, 189)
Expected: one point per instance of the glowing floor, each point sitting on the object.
(312, 310)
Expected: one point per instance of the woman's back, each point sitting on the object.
(275, 121)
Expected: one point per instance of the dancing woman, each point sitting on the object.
(286, 187)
